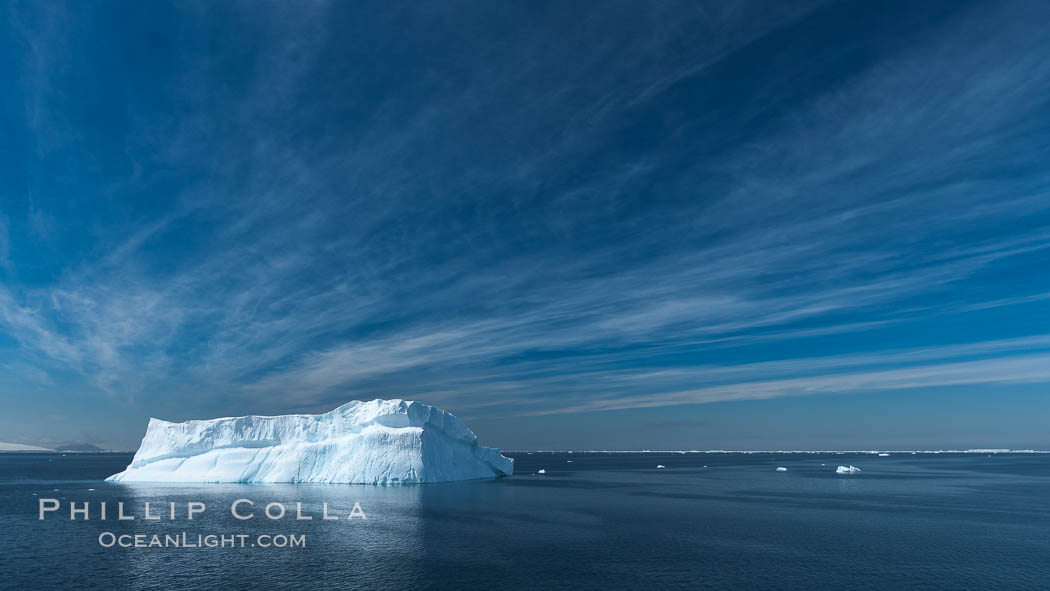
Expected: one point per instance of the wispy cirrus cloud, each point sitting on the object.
(610, 209)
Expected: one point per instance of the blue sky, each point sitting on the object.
(576, 225)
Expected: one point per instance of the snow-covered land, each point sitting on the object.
(21, 447)
(375, 442)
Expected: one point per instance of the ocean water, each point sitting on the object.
(593, 521)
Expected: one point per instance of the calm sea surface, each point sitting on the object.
(593, 521)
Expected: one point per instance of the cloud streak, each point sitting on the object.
(655, 206)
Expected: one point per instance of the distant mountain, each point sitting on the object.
(85, 447)
(21, 447)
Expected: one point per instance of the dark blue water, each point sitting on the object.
(594, 521)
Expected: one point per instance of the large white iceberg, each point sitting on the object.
(375, 442)
(851, 469)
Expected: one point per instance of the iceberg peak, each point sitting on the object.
(360, 442)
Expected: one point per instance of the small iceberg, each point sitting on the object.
(851, 469)
(884, 455)
(541, 471)
(781, 469)
(660, 466)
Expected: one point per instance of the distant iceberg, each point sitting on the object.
(847, 470)
(375, 442)
(884, 455)
(660, 466)
(781, 469)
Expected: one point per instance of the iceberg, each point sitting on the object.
(851, 469)
(781, 469)
(375, 442)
